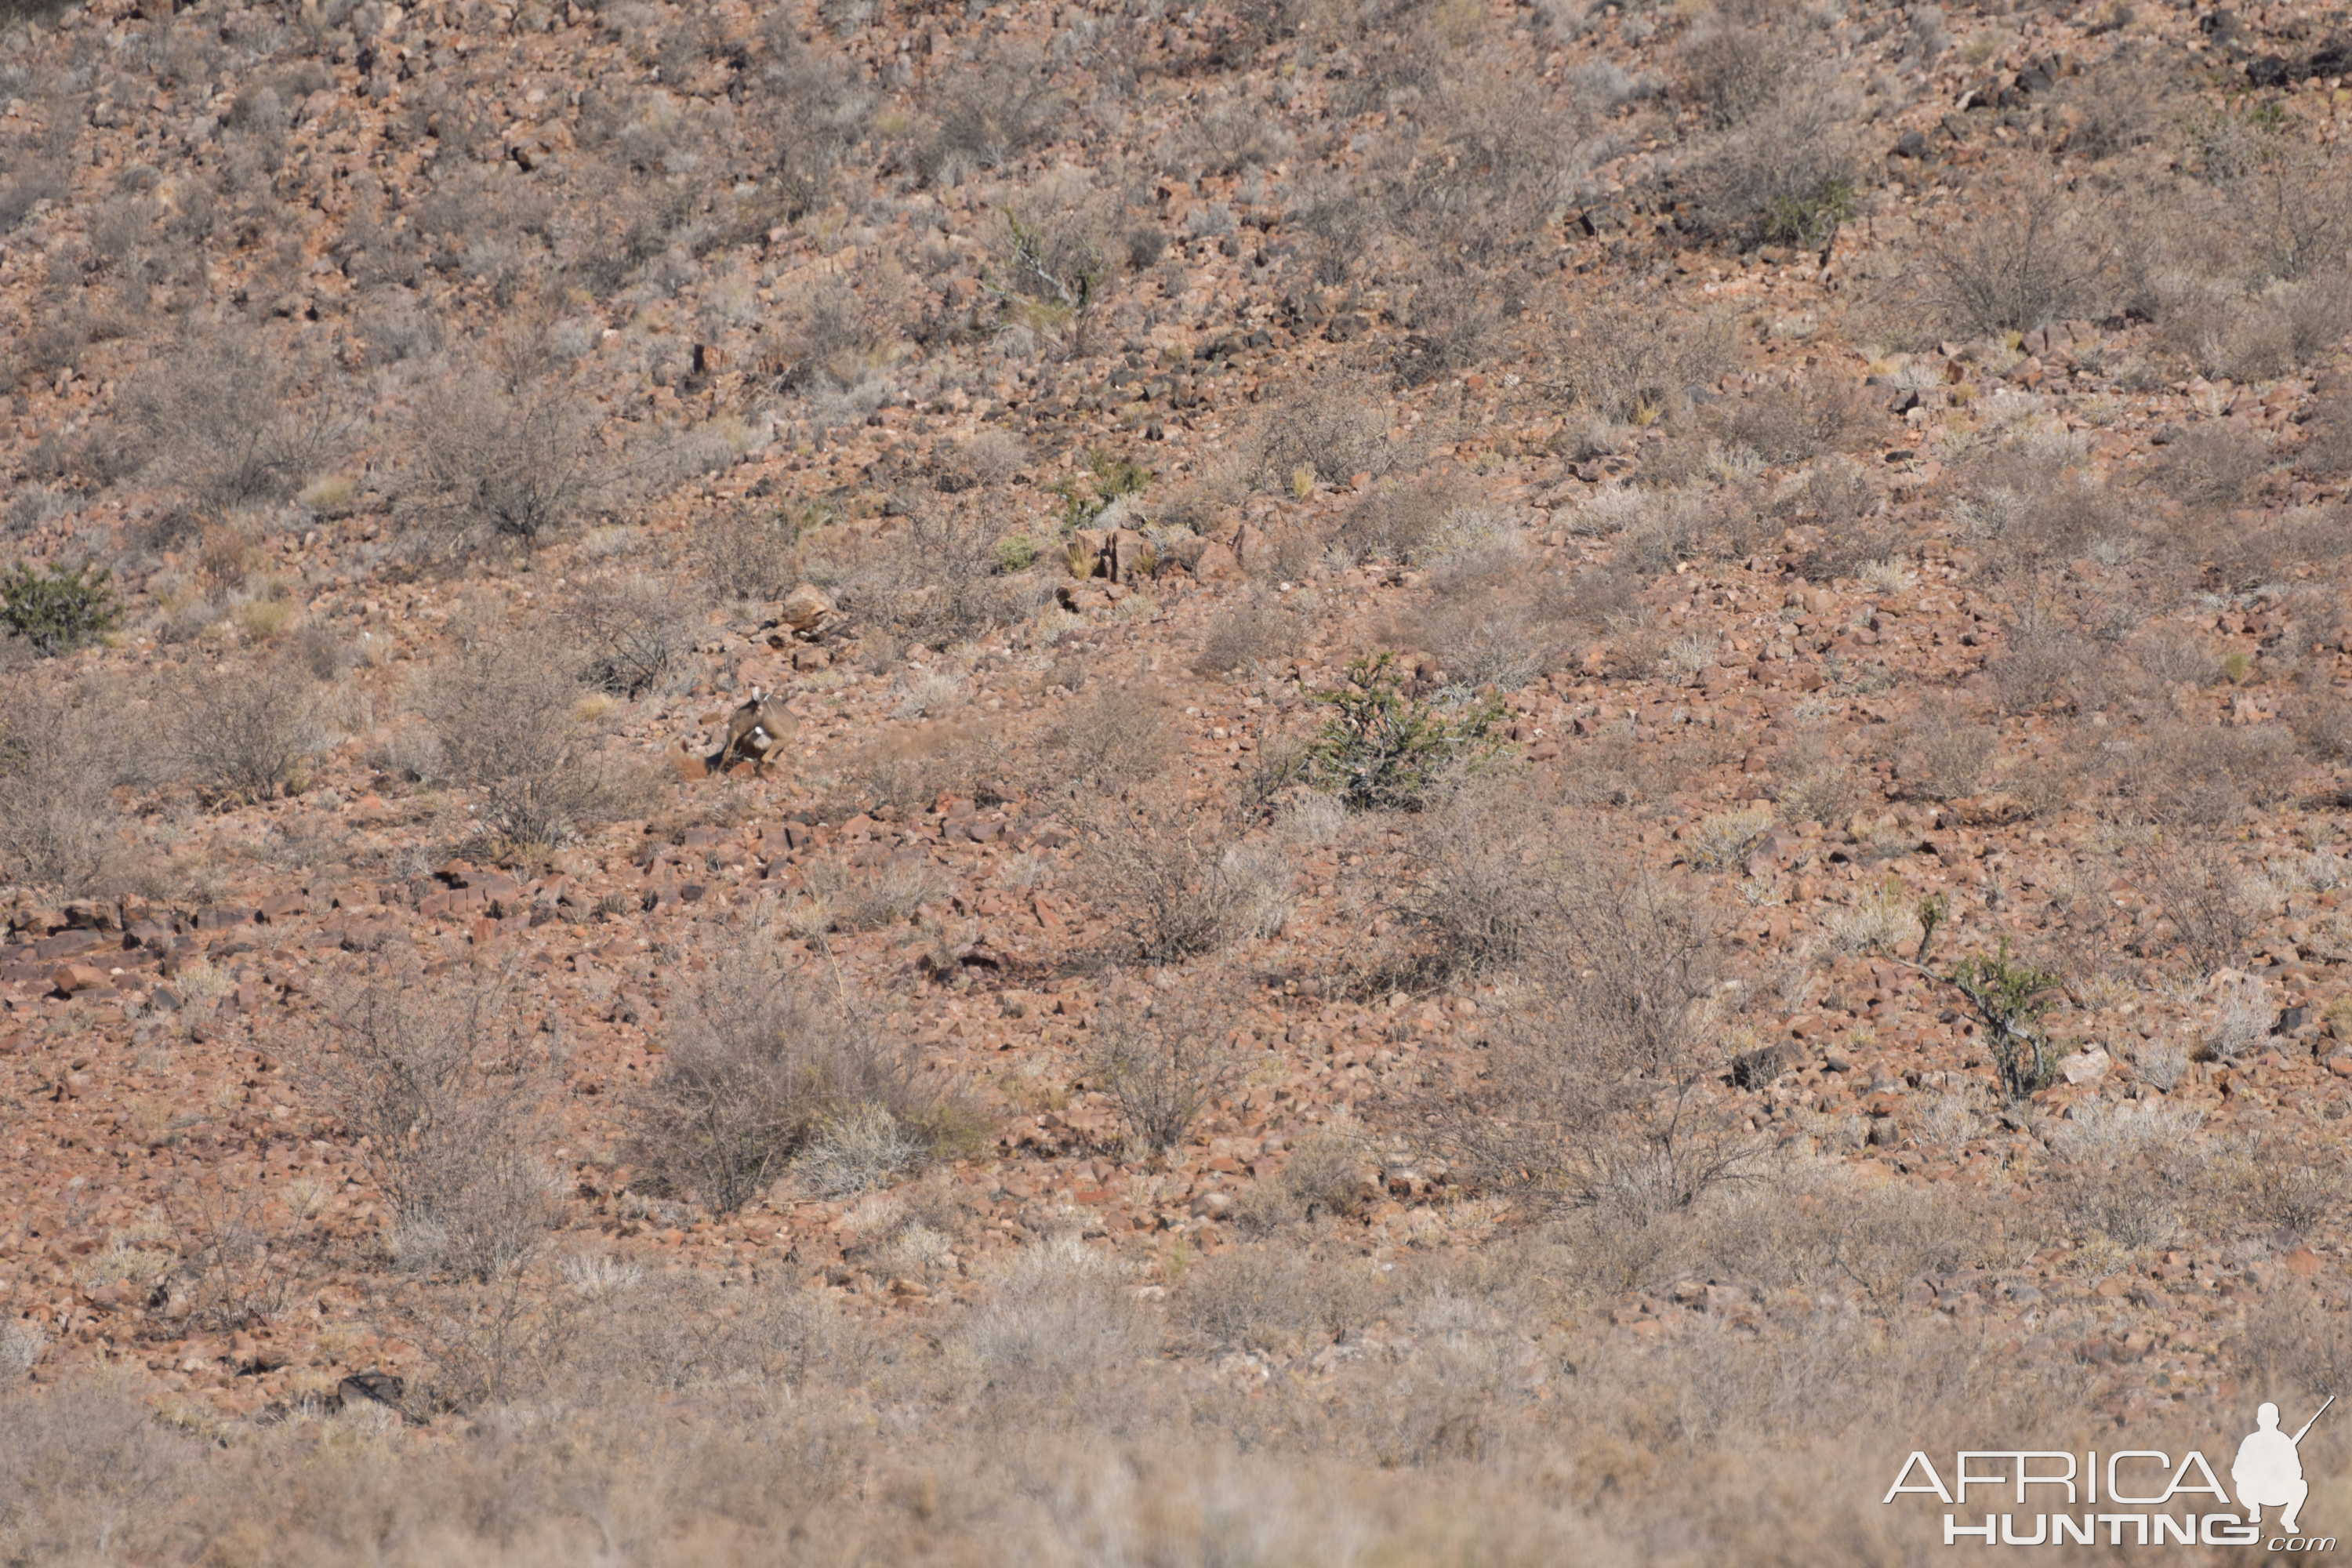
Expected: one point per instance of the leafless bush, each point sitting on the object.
(504, 465)
(1623, 365)
(504, 714)
(443, 1082)
(2032, 512)
(244, 734)
(1251, 629)
(2029, 263)
(2275, 1187)
(1324, 1178)
(62, 753)
(1733, 74)
(2205, 898)
(1597, 1097)
(2116, 105)
(1818, 784)
(1259, 1299)
(748, 554)
(2322, 723)
(2214, 464)
(1453, 320)
(989, 116)
(2170, 657)
(230, 1275)
(1787, 173)
(760, 1072)
(2045, 665)
(910, 770)
(1795, 423)
(1941, 755)
(1493, 867)
(1393, 519)
(2294, 1345)
(229, 421)
(1494, 637)
(2242, 1018)
(1114, 732)
(876, 898)
(1330, 430)
(638, 634)
(1170, 878)
(937, 582)
(1166, 1061)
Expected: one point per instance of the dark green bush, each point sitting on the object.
(1382, 749)
(58, 609)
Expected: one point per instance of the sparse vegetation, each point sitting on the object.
(1823, 930)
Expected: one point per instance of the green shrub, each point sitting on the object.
(1017, 553)
(1383, 749)
(59, 610)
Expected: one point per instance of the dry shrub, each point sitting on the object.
(875, 899)
(91, 1477)
(1247, 631)
(1455, 319)
(1113, 735)
(1175, 880)
(2327, 451)
(2205, 898)
(2254, 554)
(1596, 1097)
(2043, 666)
(63, 751)
(911, 769)
(445, 1082)
(638, 634)
(1493, 867)
(1492, 636)
(229, 422)
(759, 1071)
(2294, 1347)
(1786, 174)
(1323, 1178)
(2031, 511)
(2214, 464)
(2202, 775)
(1166, 1058)
(748, 554)
(1255, 1299)
(1939, 755)
(2117, 104)
(2032, 260)
(1622, 364)
(1058, 1332)
(1392, 520)
(502, 464)
(1818, 781)
(2170, 657)
(1332, 428)
(504, 715)
(1796, 422)
(988, 117)
(243, 735)
(2274, 1187)
(937, 579)
(2322, 724)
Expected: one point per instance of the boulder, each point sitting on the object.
(806, 608)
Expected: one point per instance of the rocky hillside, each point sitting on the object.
(897, 775)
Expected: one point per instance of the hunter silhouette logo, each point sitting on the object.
(2267, 1473)
(2269, 1469)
